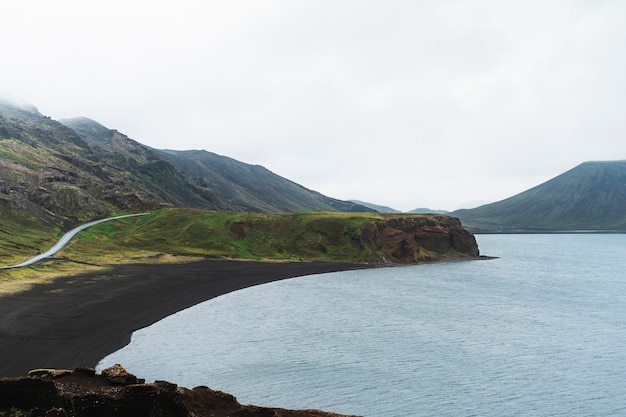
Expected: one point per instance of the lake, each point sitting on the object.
(540, 331)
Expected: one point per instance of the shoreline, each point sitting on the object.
(76, 321)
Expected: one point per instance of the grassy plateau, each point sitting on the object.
(184, 235)
(212, 234)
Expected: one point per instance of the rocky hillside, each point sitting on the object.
(233, 185)
(591, 196)
(261, 189)
(49, 173)
(115, 392)
(63, 174)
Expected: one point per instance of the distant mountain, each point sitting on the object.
(385, 209)
(376, 207)
(427, 210)
(591, 196)
(66, 173)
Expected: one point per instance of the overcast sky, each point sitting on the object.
(422, 103)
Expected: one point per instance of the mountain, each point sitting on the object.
(258, 187)
(233, 185)
(591, 196)
(61, 174)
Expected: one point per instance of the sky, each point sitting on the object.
(443, 104)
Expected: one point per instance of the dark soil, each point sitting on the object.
(76, 321)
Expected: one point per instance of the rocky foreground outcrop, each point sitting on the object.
(421, 238)
(115, 392)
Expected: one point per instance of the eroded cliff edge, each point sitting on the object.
(362, 238)
(115, 392)
(420, 239)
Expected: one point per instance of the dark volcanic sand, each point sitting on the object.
(77, 321)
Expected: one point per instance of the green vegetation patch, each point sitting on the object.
(20, 153)
(321, 236)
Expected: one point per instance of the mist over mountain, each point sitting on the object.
(66, 172)
(591, 196)
(10, 103)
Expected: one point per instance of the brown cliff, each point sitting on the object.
(360, 238)
(115, 392)
(421, 238)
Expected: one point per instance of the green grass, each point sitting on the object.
(22, 237)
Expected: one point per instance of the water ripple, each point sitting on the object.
(538, 332)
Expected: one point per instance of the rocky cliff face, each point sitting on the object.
(419, 239)
(83, 393)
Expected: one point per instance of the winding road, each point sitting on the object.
(65, 239)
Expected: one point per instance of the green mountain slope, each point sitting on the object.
(591, 196)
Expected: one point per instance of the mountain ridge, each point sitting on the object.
(236, 186)
(257, 185)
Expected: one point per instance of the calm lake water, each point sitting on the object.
(541, 331)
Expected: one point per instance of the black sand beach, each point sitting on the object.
(78, 320)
